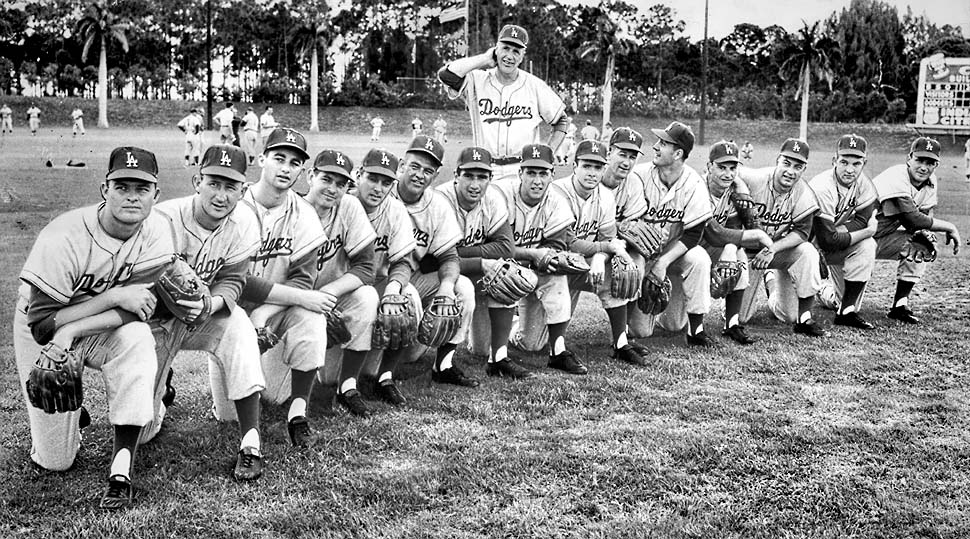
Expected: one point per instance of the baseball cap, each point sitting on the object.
(333, 161)
(925, 147)
(129, 162)
(536, 155)
(475, 158)
(795, 149)
(514, 34)
(627, 139)
(284, 137)
(591, 150)
(380, 162)
(427, 145)
(723, 152)
(225, 160)
(677, 133)
(851, 144)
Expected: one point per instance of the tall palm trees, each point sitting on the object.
(613, 38)
(99, 26)
(308, 38)
(808, 52)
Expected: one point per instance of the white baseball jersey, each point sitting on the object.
(593, 214)
(778, 211)
(506, 118)
(479, 223)
(533, 224)
(838, 203)
(267, 123)
(724, 210)
(5, 112)
(251, 121)
(685, 204)
(192, 125)
(348, 231)
(894, 182)
(440, 125)
(33, 113)
(288, 232)
(631, 202)
(224, 117)
(77, 114)
(395, 235)
(377, 122)
(435, 226)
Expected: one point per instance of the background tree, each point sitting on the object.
(612, 39)
(808, 52)
(308, 38)
(98, 26)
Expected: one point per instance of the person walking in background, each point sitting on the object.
(267, 123)
(376, 124)
(78, 116)
(191, 125)
(747, 152)
(966, 157)
(224, 119)
(33, 118)
(416, 127)
(589, 132)
(440, 127)
(250, 127)
(6, 119)
(607, 134)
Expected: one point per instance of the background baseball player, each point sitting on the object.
(588, 132)
(6, 120)
(73, 294)
(440, 128)
(540, 220)
(416, 125)
(191, 125)
(77, 117)
(250, 127)
(376, 124)
(33, 118)
(786, 206)
(267, 123)
(844, 226)
(484, 219)
(224, 119)
(507, 105)
(607, 135)
(907, 197)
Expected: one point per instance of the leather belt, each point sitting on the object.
(510, 160)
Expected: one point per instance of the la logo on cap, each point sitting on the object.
(514, 33)
(633, 136)
(796, 148)
(131, 162)
(853, 143)
(290, 137)
(728, 150)
(929, 146)
(384, 159)
(225, 161)
(429, 145)
(594, 148)
(340, 158)
(535, 152)
(476, 156)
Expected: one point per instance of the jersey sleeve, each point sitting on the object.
(556, 212)
(54, 263)
(551, 106)
(805, 205)
(447, 233)
(825, 197)
(247, 237)
(401, 240)
(697, 202)
(359, 232)
(308, 233)
(498, 210)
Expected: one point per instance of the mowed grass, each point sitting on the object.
(854, 435)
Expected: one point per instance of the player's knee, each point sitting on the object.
(466, 290)
(367, 297)
(806, 251)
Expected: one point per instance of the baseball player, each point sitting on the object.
(223, 119)
(678, 201)
(250, 125)
(966, 153)
(267, 123)
(191, 125)
(86, 285)
(6, 120)
(484, 219)
(376, 124)
(607, 134)
(589, 132)
(416, 127)
(440, 127)
(844, 227)
(785, 206)
(77, 116)
(218, 242)
(541, 221)
(33, 118)
(437, 233)
(568, 146)
(907, 197)
(290, 236)
(507, 105)
(747, 152)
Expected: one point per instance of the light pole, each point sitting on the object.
(703, 78)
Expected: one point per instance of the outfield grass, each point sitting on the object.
(855, 435)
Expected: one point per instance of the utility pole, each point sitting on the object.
(703, 77)
(208, 64)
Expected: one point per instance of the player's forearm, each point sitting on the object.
(400, 272)
(717, 235)
(363, 265)
(588, 247)
(830, 239)
(466, 65)
(303, 272)
(861, 218)
(228, 283)
(92, 325)
(449, 268)
(344, 284)
(789, 241)
(673, 251)
(556, 138)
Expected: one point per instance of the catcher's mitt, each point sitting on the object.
(266, 339)
(179, 282)
(507, 282)
(563, 263)
(724, 277)
(440, 321)
(54, 382)
(921, 247)
(655, 295)
(641, 236)
(337, 332)
(625, 278)
(396, 324)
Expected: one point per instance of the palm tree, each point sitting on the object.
(308, 38)
(612, 39)
(95, 27)
(809, 53)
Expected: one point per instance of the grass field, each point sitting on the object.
(854, 435)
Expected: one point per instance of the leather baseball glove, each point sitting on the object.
(396, 324)
(641, 236)
(625, 278)
(440, 321)
(655, 295)
(179, 282)
(506, 281)
(724, 277)
(337, 332)
(563, 263)
(266, 339)
(54, 383)
(921, 247)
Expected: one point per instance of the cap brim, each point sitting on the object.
(131, 174)
(927, 155)
(795, 156)
(225, 172)
(853, 153)
(475, 166)
(727, 159)
(289, 146)
(662, 135)
(335, 169)
(381, 170)
(592, 157)
(426, 152)
(628, 146)
(512, 41)
(537, 163)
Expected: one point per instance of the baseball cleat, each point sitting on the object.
(169, 397)
(119, 495)
(354, 403)
(299, 429)
(567, 362)
(508, 369)
(809, 328)
(739, 335)
(641, 349)
(902, 314)
(84, 418)
(852, 320)
(701, 339)
(249, 464)
(453, 375)
(389, 393)
(628, 354)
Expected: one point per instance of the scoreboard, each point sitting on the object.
(943, 102)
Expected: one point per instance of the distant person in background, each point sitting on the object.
(440, 127)
(78, 116)
(250, 126)
(376, 124)
(966, 155)
(747, 152)
(607, 133)
(267, 123)
(223, 119)
(191, 125)
(33, 118)
(6, 119)
(236, 122)
(569, 143)
(589, 132)
(416, 127)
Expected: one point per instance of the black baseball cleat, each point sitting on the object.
(299, 429)
(739, 335)
(453, 375)
(169, 397)
(852, 320)
(83, 419)
(354, 403)
(628, 354)
(701, 339)
(567, 362)
(641, 349)
(389, 393)
(249, 464)
(903, 314)
(809, 328)
(119, 495)
(508, 369)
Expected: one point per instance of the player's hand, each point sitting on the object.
(953, 236)
(446, 288)
(763, 259)
(761, 237)
(492, 57)
(195, 308)
(659, 271)
(137, 299)
(597, 271)
(317, 301)
(618, 248)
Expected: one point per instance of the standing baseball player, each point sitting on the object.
(77, 116)
(541, 221)
(440, 128)
(607, 135)
(679, 203)
(589, 132)
(267, 123)
(33, 118)
(223, 119)
(907, 197)
(785, 206)
(86, 286)
(191, 126)
(844, 227)
(218, 242)
(250, 126)
(290, 236)
(507, 105)
(747, 152)
(568, 146)
(376, 124)
(484, 219)
(6, 120)
(416, 125)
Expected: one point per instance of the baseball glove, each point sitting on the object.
(823, 265)
(724, 277)
(742, 201)
(179, 282)
(655, 295)
(506, 281)
(641, 236)
(54, 382)
(625, 278)
(921, 247)
(266, 339)
(337, 332)
(396, 324)
(440, 321)
(563, 263)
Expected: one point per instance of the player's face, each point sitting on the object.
(588, 173)
(471, 185)
(415, 174)
(508, 57)
(618, 166)
(535, 181)
(373, 188)
(281, 168)
(848, 168)
(787, 172)
(921, 168)
(665, 153)
(129, 201)
(326, 188)
(218, 196)
(720, 176)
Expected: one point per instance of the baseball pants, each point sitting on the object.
(799, 278)
(549, 304)
(888, 247)
(854, 263)
(373, 361)
(480, 334)
(302, 346)
(225, 135)
(427, 286)
(6, 125)
(193, 147)
(78, 127)
(359, 309)
(500, 172)
(34, 124)
(690, 292)
(249, 143)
